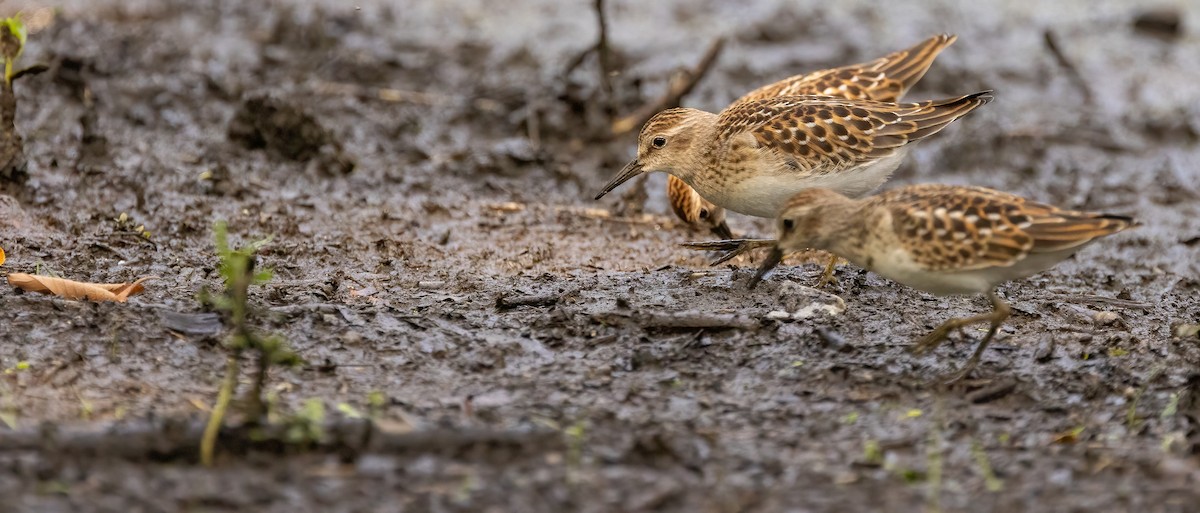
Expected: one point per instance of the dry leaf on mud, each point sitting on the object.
(71, 289)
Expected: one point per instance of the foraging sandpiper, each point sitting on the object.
(942, 239)
(885, 79)
(755, 155)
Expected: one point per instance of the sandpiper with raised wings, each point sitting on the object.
(885, 79)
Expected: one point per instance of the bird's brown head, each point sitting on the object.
(807, 221)
(665, 144)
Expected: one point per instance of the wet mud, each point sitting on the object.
(426, 171)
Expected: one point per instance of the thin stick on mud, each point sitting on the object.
(604, 55)
(178, 439)
(679, 320)
(1068, 65)
(505, 302)
(256, 408)
(681, 84)
(386, 94)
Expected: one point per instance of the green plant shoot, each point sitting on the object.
(12, 42)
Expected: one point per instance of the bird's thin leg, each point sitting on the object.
(827, 278)
(1000, 312)
(938, 335)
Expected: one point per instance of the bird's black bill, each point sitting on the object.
(722, 230)
(772, 260)
(631, 170)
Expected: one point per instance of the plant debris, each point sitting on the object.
(71, 289)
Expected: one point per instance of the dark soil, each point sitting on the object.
(426, 170)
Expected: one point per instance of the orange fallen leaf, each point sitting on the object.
(71, 289)
(1, 256)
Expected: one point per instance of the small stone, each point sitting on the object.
(1106, 318)
(1045, 350)
(1184, 330)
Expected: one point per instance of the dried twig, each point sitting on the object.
(681, 84)
(1068, 65)
(1101, 301)
(604, 55)
(678, 320)
(31, 71)
(992, 392)
(384, 94)
(181, 439)
(504, 302)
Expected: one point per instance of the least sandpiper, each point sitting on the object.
(755, 155)
(942, 239)
(885, 79)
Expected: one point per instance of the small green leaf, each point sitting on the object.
(349, 411)
(1172, 406)
(912, 476)
(15, 27)
(872, 452)
(376, 401)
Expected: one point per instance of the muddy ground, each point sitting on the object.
(475, 156)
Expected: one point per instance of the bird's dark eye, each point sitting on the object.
(704, 213)
(788, 224)
(659, 141)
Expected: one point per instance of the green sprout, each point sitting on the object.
(307, 425)
(990, 481)
(12, 42)
(872, 452)
(21, 366)
(349, 411)
(237, 267)
(8, 407)
(376, 401)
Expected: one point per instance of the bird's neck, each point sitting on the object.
(839, 221)
(695, 166)
(846, 231)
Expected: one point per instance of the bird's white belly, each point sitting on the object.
(898, 266)
(764, 194)
(761, 196)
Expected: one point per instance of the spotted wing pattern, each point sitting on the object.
(958, 228)
(823, 134)
(885, 79)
